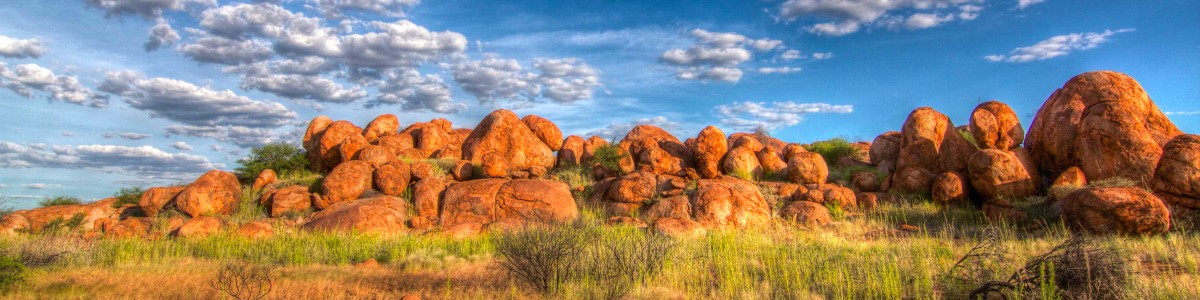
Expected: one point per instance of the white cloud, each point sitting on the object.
(24, 79)
(126, 135)
(20, 48)
(842, 17)
(1022, 4)
(1056, 46)
(160, 35)
(778, 70)
(222, 50)
(144, 160)
(562, 80)
(619, 130)
(716, 55)
(393, 8)
(241, 136)
(68, 133)
(415, 92)
(189, 104)
(40, 186)
(791, 55)
(747, 116)
(149, 9)
(181, 146)
(401, 43)
(566, 79)
(311, 87)
(1182, 113)
(822, 55)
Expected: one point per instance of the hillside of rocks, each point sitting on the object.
(433, 178)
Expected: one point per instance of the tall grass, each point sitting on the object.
(832, 149)
(59, 200)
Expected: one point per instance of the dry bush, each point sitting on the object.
(635, 260)
(243, 281)
(1080, 268)
(985, 262)
(542, 257)
(48, 249)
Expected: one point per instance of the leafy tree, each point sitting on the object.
(128, 195)
(281, 157)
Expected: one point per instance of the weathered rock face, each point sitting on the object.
(806, 213)
(998, 173)
(949, 188)
(376, 155)
(911, 179)
(154, 199)
(771, 162)
(462, 171)
(729, 202)
(502, 133)
(383, 125)
(427, 197)
(678, 206)
(197, 227)
(1104, 123)
(392, 178)
(1072, 176)
(930, 141)
(215, 192)
(288, 200)
(1178, 171)
(571, 153)
(256, 230)
(507, 203)
(346, 182)
(669, 155)
(865, 181)
(396, 142)
(710, 147)
(678, 227)
(351, 148)
(763, 141)
(36, 219)
(1115, 210)
(658, 161)
(311, 136)
(327, 144)
(545, 131)
(589, 149)
(430, 136)
(994, 125)
(742, 160)
(807, 168)
(266, 177)
(494, 166)
(634, 188)
(380, 214)
(885, 147)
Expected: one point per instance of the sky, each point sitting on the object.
(96, 95)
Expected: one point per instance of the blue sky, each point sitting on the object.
(100, 94)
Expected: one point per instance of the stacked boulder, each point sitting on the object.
(504, 145)
(1001, 171)
(1177, 179)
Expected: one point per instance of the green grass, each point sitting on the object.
(832, 149)
(59, 200)
(843, 174)
(966, 134)
(609, 156)
(128, 195)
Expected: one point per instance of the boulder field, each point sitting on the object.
(433, 177)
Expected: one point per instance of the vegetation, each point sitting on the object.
(966, 134)
(610, 156)
(59, 200)
(12, 273)
(128, 195)
(243, 281)
(833, 149)
(283, 158)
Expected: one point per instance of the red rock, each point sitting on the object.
(545, 131)
(998, 173)
(634, 188)
(1104, 123)
(290, 199)
(571, 152)
(36, 219)
(950, 188)
(266, 177)
(912, 180)
(710, 147)
(805, 213)
(384, 214)
(198, 227)
(885, 147)
(838, 196)
(930, 141)
(154, 199)
(807, 168)
(396, 142)
(678, 227)
(346, 182)
(994, 125)
(1115, 210)
(742, 160)
(256, 230)
(427, 197)
(422, 170)
(494, 166)
(463, 170)
(130, 228)
(349, 149)
(392, 178)
(447, 152)
(589, 149)
(1072, 176)
(1178, 171)
(670, 207)
(383, 125)
(311, 138)
(430, 136)
(865, 181)
(215, 192)
(412, 154)
(512, 203)
(729, 202)
(376, 155)
(502, 133)
(771, 162)
(762, 139)
(653, 146)
(867, 201)
(327, 145)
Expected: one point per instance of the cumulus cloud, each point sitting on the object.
(144, 160)
(226, 51)
(619, 130)
(791, 55)
(310, 87)
(20, 48)
(393, 8)
(241, 136)
(126, 135)
(778, 70)
(716, 55)
(25, 79)
(566, 79)
(160, 35)
(189, 104)
(149, 9)
(1056, 46)
(40, 186)
(1022, 4)
(562, 80)
(181, 146)
(822, 55)
(842, 17)
(415, 92)
(747, 116)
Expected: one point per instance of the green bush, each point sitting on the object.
(59, 200)
(12, 273)
(966, 134)
(128, 195)
(610, 156)
(283, 158)
(832, 149)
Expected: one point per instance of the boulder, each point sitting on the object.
(396, 142)
(384, 214)
(771, 162)
(430, 136)
(1178, 171)
(128, 228)
(571, 153)
(710, 147)
(742, 161)
(266, 177)
(911, 180)
(392, 178)
(1073, 176)
(502, 133)
(807, 168)
(36, 219)
(349, 149)
(678, 227)
(949, 188)
(215, 192)
(462, 170)
(633, 188)
(868, 201)
(326, 146)
(383, 125)
(311, 139)
(930, 141)
(806, 213)
(156, 198)
(885, 147)
(994, 125)
(729, 202)
(255, 230)
(830, 194)
(545, 131)
(507, 203)
(198, 227)
(447, 152)
(376, 155)
(1115, 210)
(670, 155)
(678, 206)
(1102, 122)
(865, 181)
(658, 161)
(791, 150)
(427, 197)
(589, 149)
(346, 182)
(997, 173)
(422, 170)
(494, 166)
(288, 200)
(762, 139)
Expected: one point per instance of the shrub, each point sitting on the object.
(63, 225)
(544, 258)
(59, 200)
(280, 157)
(832, 149)
(966, 134)
(743, 174)
(1082, 267)
(128, 195)
(843, 174)
(609, 156)
(243, 281)
(630, 260)
(12, 272)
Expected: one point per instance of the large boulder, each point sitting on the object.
(292, 199)
(742, 161)
(376, 155)
(994, 125)
(346, 182)
(710, 147)
(1104, 123)
(430, 136)
(36, 219)
(154, 199)
(771, 162)
(427, 198)
(589, 149)
(383, 125)
(670, 155)
(762, 139)
(911, 180)
(327, 145)
(384, 214)
(995, 173)
(198, 227)
(311, 138)
(885, 147)
(806, 213)
(807, 168)
(502, 133)
(1115, 210)
(949, 188)
(571, 153)
(352, 147)
(545, 131)
(507, 203)
(266, 177)
(392, 178)
(729, 202)
(215, 192)
(396, 142)
(633, 188)
(931, 142)
(1178, 171)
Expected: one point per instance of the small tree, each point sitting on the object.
(281, 157)
(128, 195)
(610, 156)
(243, 281)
